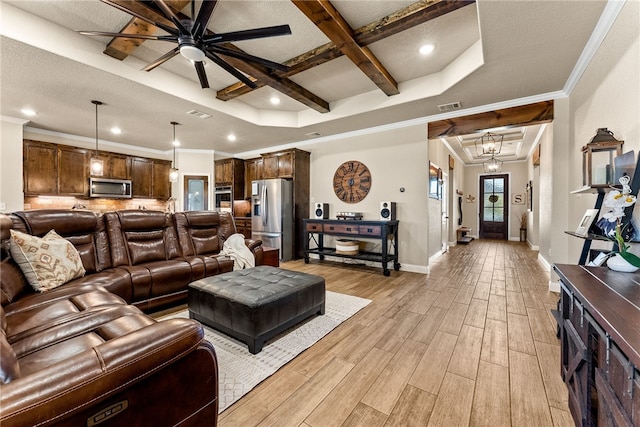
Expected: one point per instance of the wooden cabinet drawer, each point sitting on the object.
(370, 230)
(341, 228)
(315, 227)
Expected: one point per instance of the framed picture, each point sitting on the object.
(433, 181)
(517, 199)
(585, 223)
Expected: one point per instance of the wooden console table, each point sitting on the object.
(384, 231)
(599, 322)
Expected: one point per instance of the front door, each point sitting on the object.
(494, 207)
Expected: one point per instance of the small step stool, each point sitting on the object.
(462, 235)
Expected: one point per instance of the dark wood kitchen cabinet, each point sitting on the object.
(161, 187)
(73, 169)
(278, 165)
(55, 170)
(115, 166)
(252, 172)
(150, 178)
(230, 173)
(141, 176)
(40, 171)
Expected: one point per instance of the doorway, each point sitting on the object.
(445, 212)
(494, 207)
(196, 192)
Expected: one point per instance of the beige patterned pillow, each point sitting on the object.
(47, 262)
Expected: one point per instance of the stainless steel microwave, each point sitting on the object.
(110, 188)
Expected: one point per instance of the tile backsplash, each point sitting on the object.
(96, 205)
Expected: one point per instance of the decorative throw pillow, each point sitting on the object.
(47, 262)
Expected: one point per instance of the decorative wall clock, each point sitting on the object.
(352, 181)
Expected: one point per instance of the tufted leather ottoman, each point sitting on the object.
(254, 304)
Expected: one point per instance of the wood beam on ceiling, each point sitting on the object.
(333, 25)
(524, 115)
(261, 75)
(119, 47)
(281, 84)
(415, 14)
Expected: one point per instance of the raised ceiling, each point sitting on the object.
(487, 52)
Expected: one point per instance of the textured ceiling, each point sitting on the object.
(488, 52)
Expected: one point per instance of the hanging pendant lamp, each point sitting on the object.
(96, 163)
(489, 144)
(173, 174)
(493, 165)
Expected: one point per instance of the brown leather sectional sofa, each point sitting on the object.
(85, 353)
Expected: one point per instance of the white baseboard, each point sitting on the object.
(544, 262)
(435, 256)
(533, 247)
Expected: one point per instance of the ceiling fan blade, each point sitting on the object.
(204, 15)
(228, 68)
(256, 33)
(164, 58)
(160, 25)
(172, 16)
(129, 36)
(249, 58)
(202, 75)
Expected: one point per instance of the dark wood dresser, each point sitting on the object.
(599, 324)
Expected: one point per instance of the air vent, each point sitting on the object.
(449, 107)
(199, 114)
(313, 134)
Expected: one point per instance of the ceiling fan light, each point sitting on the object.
(192, 53)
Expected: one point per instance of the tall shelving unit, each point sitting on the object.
(601, 190)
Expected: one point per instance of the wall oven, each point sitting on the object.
(223, 199)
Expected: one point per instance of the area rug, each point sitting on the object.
(240, 371)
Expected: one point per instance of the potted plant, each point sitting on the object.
(612, 225)
(523, 226)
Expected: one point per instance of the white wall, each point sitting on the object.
(11, 195)
(607, 95)
(396, 158)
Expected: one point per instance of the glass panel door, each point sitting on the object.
(494, 207)
(196, 192)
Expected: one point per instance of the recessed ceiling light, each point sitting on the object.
(426, 49)
(275, 100)
(28, 112)
(231, 137)
(116, 130)
(176, 143)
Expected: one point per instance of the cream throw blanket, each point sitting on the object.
(241, 255)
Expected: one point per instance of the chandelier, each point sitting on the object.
(489, 144)
(492, 165)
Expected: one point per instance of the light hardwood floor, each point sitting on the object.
(472, 343)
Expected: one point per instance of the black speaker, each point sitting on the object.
(387, 211)
(321, 210)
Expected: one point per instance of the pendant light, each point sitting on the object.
(96, 163)
(493, 165)
(489, 143)
(173, 174)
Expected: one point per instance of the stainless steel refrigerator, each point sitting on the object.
(272, 215)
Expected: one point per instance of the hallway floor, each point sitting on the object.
(472, 343)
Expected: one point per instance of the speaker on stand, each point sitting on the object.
(387, 211)
(321, 210)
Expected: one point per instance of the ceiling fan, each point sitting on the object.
(195, 43)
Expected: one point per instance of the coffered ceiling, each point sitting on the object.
(353, 65)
